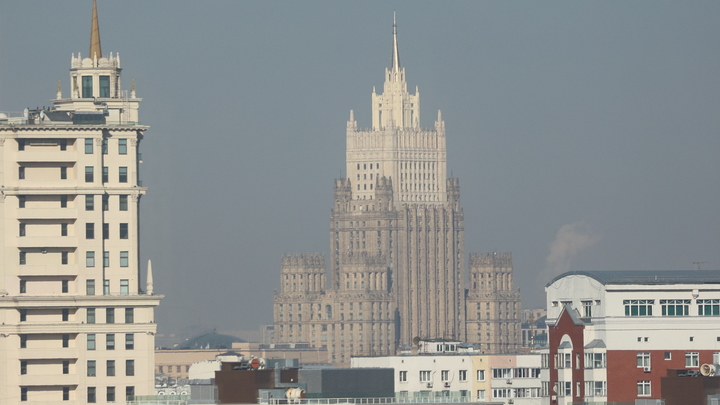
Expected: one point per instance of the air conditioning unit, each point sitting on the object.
(429, 385)
(646, 369)
(508, 382)
(510, 401)
(447, 385)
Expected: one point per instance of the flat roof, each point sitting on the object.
(648, 277)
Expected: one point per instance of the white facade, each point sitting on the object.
(76, 325)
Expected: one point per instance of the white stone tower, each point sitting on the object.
(76, 324)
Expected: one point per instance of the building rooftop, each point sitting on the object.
(648, 277)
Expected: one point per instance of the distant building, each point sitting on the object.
(77, 325)
(613, 335)
(396, 268)
(533, 329)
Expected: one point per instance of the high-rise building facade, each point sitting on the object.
(76, 324)
(396, 240)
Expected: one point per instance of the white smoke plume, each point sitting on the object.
(569, 241)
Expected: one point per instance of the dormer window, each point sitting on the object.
(87, 86)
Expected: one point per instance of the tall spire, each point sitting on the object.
(149, 287)
(95, 51)
(395, 61)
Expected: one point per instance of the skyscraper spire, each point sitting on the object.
(95, 51)
(395, 61)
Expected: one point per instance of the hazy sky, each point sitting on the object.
(585, 134)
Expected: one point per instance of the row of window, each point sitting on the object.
(677, 307)
(110, 341)
(110, 318)
(497, 373)
(89, 174)
(110, 368)
(89, 202)
(122, 146)
(89, 258)
(90, 230)
(91, 394)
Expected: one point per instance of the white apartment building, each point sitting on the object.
(614, 334)
(76, 326)
(447, 370)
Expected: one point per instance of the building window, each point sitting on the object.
(23, 367)
(87, 89)
(106, 287)
(23, 314)
(89, 259)
(462, 375)
(63, 202)
(124, 287)
(23, 341)
(23, 394)
(122, 172)
(89, 287)
(502, 373)
(124, 259)
(89, 230)
(105, 202)
(675, 307)
(90, 315)
(643, 360)
(23, 286)
(110, 341)
(66, 393)
(402, 377)
(88, 146)
(65, 340)
(105, 91)
(638, 307)
(424, 375)
(106, 259)
(89, 174)
(66, 367)
(91, 368)
(91, 341)
(63, 229)
(692, 359)
(21, 172)
(63, 144)
(105, 146)
(123, 203)
(668, 355)
(91, 397)
(21, 144)
(110, 368)
(643, 388)
(708, 307)
(111, 394)
(23, 228)
(21, 201)
(122, 146)
(129, 315)
(445, 375)
(123, 231)
(105, 174)
(129, 393)
(64, 257)
(129, 341)
(23, 258)
(129, 367)
(481, 375)
(109, 315)
(65, 314)
(594, 360)
(106, 231)
(64, 286)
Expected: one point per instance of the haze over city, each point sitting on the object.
(584, 134)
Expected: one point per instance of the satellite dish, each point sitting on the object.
(416, 340)
(708, 370)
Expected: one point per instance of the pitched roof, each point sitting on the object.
(648, 277)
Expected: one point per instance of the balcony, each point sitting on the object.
(49, 380)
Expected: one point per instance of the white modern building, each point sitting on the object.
(614, 334)
(454, 372)
(76, 325)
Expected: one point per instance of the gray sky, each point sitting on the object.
(585, 134)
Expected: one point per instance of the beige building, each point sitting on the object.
(76, 326)
(396, 240)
